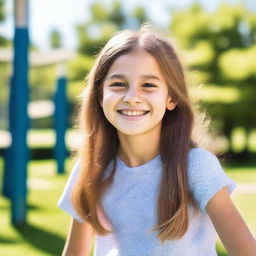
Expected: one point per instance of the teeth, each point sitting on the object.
(132, 113)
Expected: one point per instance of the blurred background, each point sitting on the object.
(216, 40)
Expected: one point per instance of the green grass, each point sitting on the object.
(47, 226)
(245, 202)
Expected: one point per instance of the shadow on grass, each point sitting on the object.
(30, 207)
(8, 241)
(34, 207)
(41, 239)
(238, 160)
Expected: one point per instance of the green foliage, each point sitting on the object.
(197, 77)
(42, 81)
(250, 25)
(75, 88)
(79, 67)
(55, 39)
(116, 14)
(3, 41)
(4, 81)
(220, 46)
(201, 55)
(190, 25)
(98, 12)
(2, 14)
(93, 37)
(244, 60)
(104, 21)
(140, 14)
(211, 93)
(94, 34)
(4, 95)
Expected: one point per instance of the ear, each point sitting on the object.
(170, 105)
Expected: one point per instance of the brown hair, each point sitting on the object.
(175, 142)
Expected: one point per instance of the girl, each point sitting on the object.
(142, 184)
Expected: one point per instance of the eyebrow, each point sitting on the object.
(120, 76)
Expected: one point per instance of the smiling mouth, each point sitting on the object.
(132, 113)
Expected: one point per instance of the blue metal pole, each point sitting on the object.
(18, 114)
(7, 177)
(60, 124)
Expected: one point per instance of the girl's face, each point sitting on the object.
(135, 95)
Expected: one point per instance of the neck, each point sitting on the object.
(139, 149)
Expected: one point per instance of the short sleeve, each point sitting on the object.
(65, 202)
(206, 177)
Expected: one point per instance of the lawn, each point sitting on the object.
(245, 200)
(47, 225)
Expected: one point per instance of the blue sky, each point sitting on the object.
(46, 15)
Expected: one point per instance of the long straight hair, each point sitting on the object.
(100, 141)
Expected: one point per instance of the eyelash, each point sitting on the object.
(120, 84)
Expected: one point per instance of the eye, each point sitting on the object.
(149, 85)
(118, 84)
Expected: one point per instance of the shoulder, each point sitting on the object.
(205, 175)
(200, 159)
(200, 154)
(203, 163)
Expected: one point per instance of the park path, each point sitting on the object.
(245, 188)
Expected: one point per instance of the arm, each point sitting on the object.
(79, 240)
(230, 226)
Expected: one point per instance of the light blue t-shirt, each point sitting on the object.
(130, 204)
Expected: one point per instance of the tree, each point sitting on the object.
(139, 14)
(55, 39)
(3, 40)
(103, 22)
(2, 14)
(220, 46)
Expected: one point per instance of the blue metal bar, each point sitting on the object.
(19, 125)
(60, 124)
(15, 186)
(7, 177)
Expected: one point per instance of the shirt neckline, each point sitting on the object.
(150, 165)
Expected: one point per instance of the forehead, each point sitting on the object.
(136, 61)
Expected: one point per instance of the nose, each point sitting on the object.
(132, 96)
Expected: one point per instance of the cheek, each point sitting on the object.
(110, 97)
(109, 104)
(159, 100)
(105, 96)
(107, 100)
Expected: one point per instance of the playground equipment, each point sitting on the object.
(17, 155)
(15, 175)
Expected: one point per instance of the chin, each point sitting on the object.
(132, 133)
